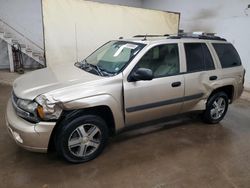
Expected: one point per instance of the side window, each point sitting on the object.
(227, 54)
(208, 60)
(163, 60)
(198, 57)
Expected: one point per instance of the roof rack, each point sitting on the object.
(143, 36)
(197, 35)
(150, 36)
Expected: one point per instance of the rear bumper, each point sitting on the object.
(30, 136)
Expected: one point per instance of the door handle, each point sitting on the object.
(213, 78)
(176, 84)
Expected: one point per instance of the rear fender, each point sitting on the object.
(225, 82)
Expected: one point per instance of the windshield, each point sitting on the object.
(111, 58)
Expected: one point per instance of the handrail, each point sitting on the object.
(1, 20)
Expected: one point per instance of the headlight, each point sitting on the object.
(26, 109)
(27, 105)
(47, 110)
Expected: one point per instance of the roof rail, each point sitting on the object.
(197, 35)
(141, 36)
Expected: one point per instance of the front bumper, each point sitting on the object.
(31, 136)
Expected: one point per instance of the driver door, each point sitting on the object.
(160, 97)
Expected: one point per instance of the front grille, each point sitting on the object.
(22, 113)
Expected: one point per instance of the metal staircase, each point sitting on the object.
(26, 46)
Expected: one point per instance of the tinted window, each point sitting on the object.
(208, 60)
(228, 55)
(163, 60)
(198, 57)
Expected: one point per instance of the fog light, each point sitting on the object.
(17, 137)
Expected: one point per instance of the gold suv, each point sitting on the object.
(76, 107)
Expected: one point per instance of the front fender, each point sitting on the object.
(99, 100)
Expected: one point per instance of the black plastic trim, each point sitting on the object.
(202, 37)
(163, 103)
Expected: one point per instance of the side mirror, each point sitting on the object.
(142, 74)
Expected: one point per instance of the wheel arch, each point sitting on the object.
(102, 111)
(228, 89)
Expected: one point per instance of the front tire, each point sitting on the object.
(82, 139)
(216, 108)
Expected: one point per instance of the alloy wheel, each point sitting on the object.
(84, 140)
(219, 106)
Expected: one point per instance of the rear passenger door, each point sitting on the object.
(200, 74)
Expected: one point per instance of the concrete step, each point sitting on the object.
(37, 54)
(14, 41)
(28, 50)
(7, 35)
(14, 38)
(23, 45)
(41, 58)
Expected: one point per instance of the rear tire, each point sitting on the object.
(81, 139)
(216, 108)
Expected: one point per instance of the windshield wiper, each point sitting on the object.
(106, 72)
(88, 67)
(96, 68)
(85, 65)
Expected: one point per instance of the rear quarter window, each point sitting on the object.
(227, 54)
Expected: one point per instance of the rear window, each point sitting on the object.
(227, 54)
(198, 57)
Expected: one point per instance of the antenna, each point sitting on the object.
(145, 38)
(76, 44)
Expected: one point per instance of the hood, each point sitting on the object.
(32, 84)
